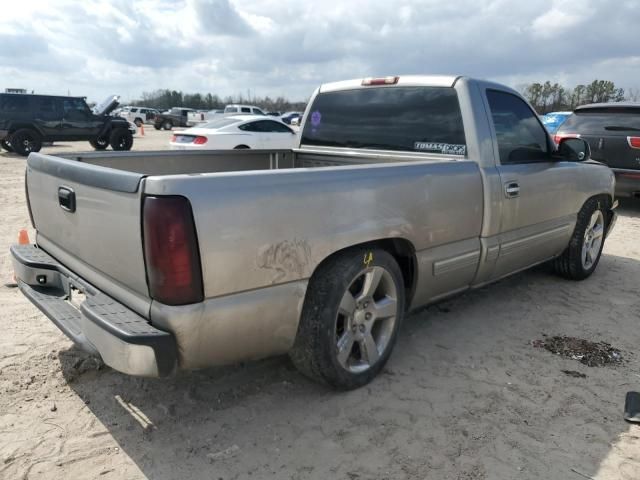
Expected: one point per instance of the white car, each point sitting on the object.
(234, 132)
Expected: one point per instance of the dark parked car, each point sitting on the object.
(26, 121)
(613, 132)
(288, 116)
(176, 117)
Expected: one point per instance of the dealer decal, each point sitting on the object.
(445, 148)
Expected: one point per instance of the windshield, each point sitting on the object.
(219, 123)
(421, 119)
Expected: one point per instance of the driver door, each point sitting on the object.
(537, 211)
(78, 121)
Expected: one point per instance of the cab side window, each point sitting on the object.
(521, 137)
(75, 109)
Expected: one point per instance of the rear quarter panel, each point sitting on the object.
(258, 229)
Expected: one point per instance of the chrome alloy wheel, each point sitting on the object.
(366, 319)
(593, 237)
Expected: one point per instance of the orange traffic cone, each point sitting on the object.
(142, 129)
(23, 237)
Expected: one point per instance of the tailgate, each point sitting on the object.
(614, 150)
(88, 218)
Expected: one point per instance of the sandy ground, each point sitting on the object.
(464, 396)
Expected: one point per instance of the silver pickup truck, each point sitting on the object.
(403, 191)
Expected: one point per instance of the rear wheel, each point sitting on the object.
(25, 141)
(352, 312)
(167, 125)
(99, 143)
(6, 145)
(157, 126)
(241, 147)
(121, 139)
(581, 257)
(138, 122)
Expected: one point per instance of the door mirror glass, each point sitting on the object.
(574, 150)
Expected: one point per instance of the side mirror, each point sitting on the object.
(574, 150)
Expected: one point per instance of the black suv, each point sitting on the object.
(613, 133)
(28, 120)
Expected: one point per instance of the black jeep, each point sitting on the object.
(28, 120)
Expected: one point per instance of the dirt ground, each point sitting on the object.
(466, 395)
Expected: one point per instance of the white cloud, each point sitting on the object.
(287, 47)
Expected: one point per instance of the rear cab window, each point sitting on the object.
(414, 119)
(603, 121)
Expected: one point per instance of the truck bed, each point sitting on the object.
(219, 161)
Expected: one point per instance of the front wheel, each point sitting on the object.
(581, 257)
(167, 125)
(121, 139)
(351, 315)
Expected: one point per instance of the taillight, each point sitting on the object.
(171, 252)
(173, 138)
(200, 140)
(558, 137)
(634, 142)
(380, 81)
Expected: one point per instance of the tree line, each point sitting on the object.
(165, 99)
(550, 97)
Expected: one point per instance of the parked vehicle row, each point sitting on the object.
(27, 120)
(401, 191)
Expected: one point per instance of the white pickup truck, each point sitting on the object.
(403, 191)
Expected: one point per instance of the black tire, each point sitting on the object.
(6, 145)
(157, 126)
(138, 122)
(571, 264)
(25, 141)
(167, 125)
(315, 351)
(121, 139)
(99, 143)
(242, 147)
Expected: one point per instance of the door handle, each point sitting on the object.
(67, 199)
(511, 190)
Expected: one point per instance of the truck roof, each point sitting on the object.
(610, 105)
(41, 95)
(403, 80)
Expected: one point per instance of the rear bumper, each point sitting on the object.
(99, 325)
(627, 182)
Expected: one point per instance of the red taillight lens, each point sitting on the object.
(634, 142)
(200, 140)
(173, 138)
(380, 81)
(171, 251)
(558, 138)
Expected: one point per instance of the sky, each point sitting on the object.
(287, 48)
